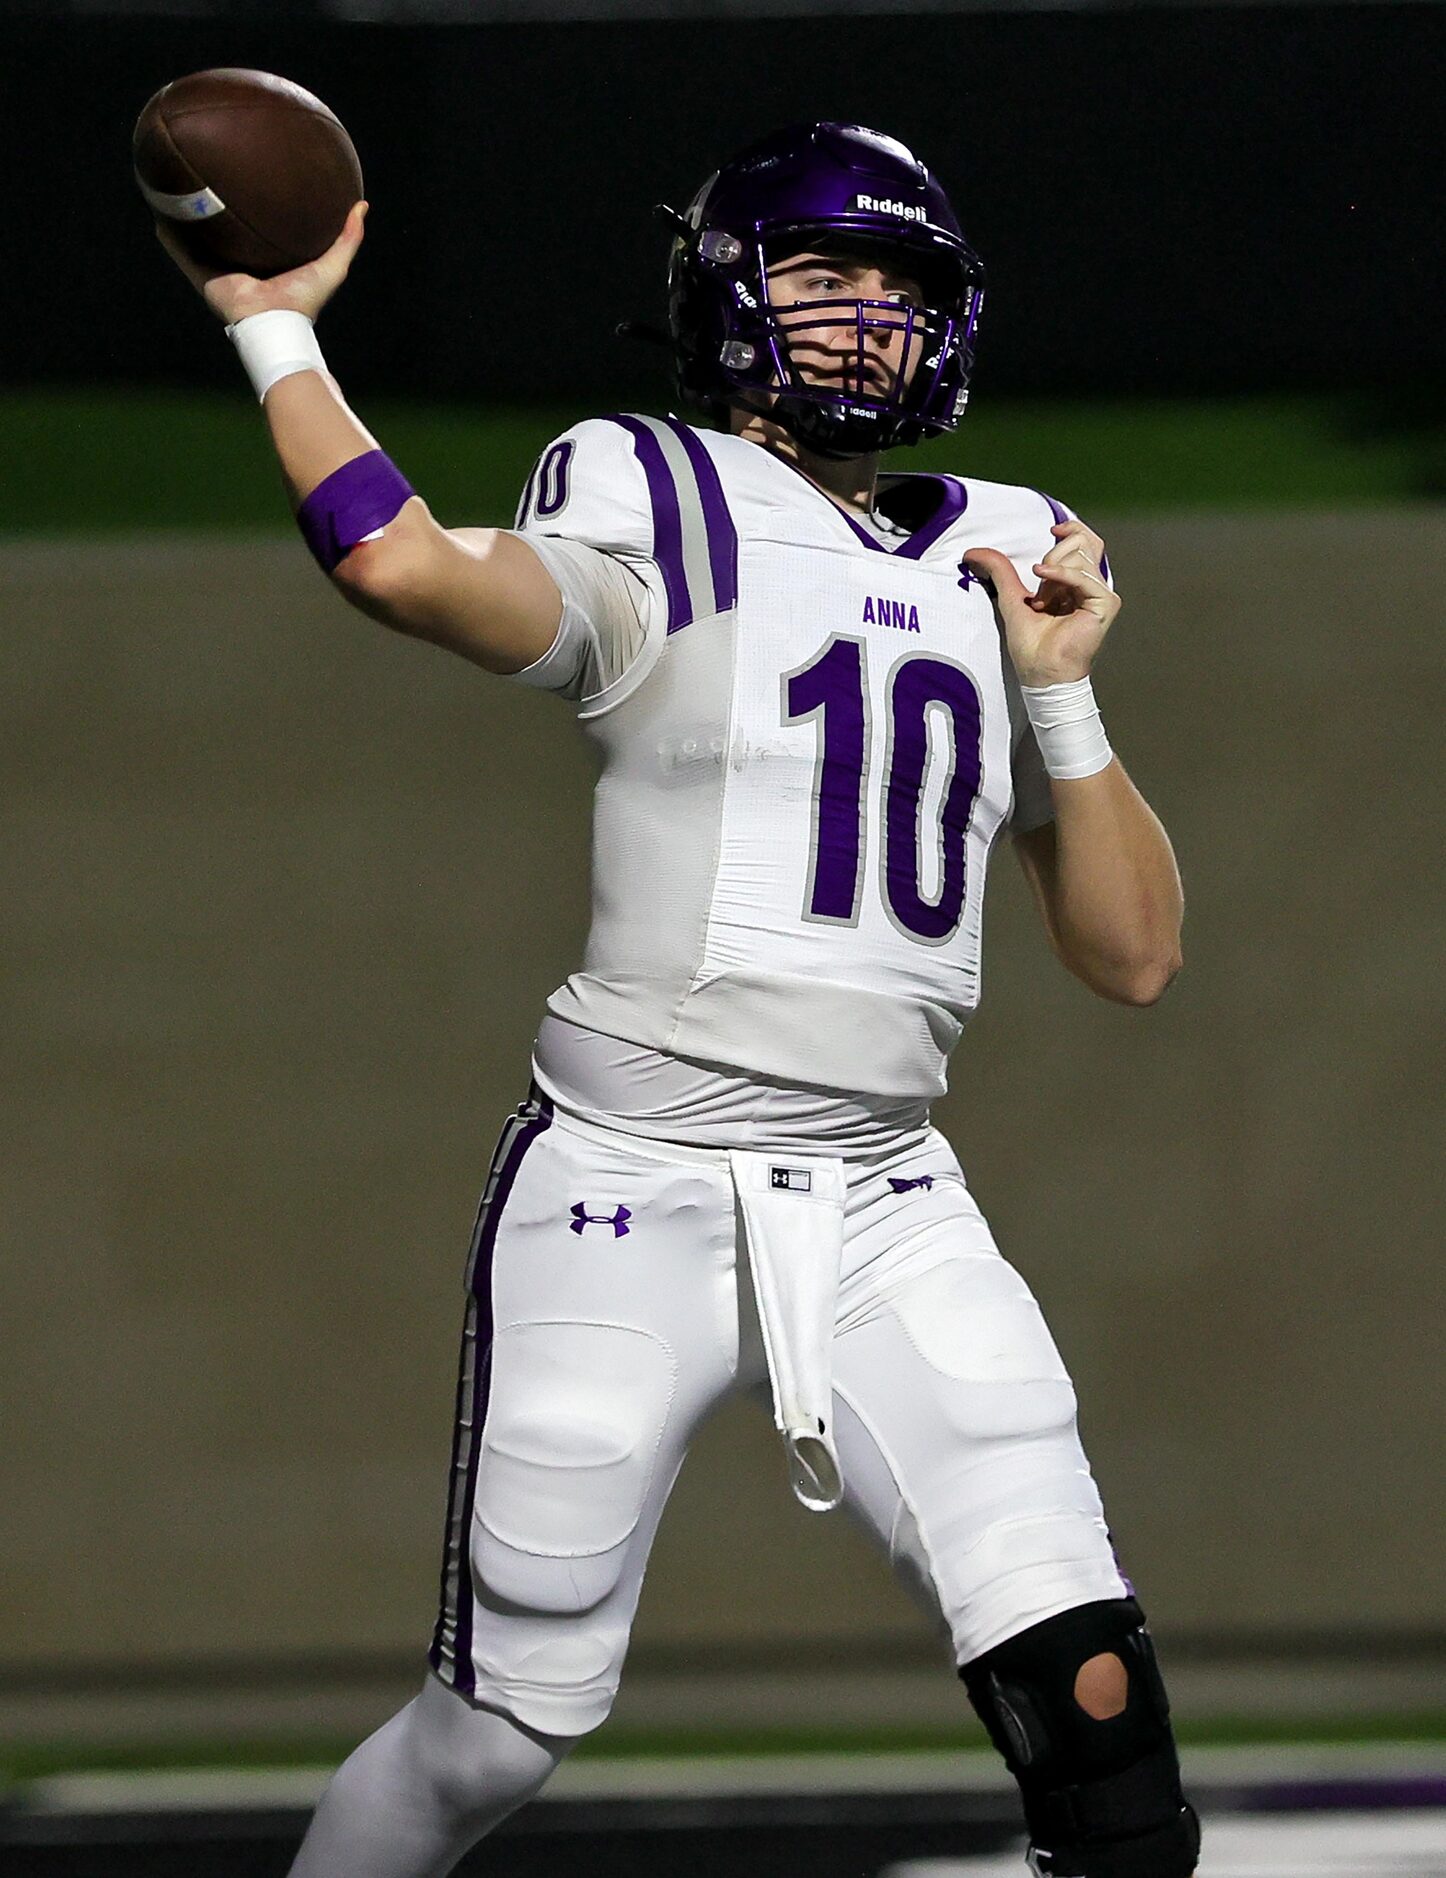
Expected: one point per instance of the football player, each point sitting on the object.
(820, 692)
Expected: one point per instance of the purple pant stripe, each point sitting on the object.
(464, 1422)
(464, 1425)
(667, 521)
(462, 1413)
(722, 535)
(473, 1390)
(440, 1653)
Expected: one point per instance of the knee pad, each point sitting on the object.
(1102, 1798)
(569, 1446)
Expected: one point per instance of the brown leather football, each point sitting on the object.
(255, 174)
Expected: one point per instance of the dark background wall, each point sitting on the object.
(1168, 200)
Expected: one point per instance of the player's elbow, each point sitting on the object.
(1146, 983)
(388, 578)
(1124, 975)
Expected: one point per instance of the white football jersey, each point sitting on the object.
(807, 754)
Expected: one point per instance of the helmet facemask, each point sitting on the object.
(825, 189)
(864, 395)
(878, 400)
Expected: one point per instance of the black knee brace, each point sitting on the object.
(1102, 1798)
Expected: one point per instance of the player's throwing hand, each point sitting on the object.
(306, 289)
(1054, 633)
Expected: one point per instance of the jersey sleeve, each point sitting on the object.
(585, 512)
(603, 633)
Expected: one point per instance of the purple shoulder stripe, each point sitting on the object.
(667, 520)
(722, 535)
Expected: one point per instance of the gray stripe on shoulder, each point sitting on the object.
(697, 564)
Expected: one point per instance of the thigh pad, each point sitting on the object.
(997, 1370)
(575, 1417)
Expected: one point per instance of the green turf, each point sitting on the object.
(31, 1763)
(99, 462)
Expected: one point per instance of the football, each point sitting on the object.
(253, 172)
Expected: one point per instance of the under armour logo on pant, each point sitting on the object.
(906, 1186)
(581, 1219)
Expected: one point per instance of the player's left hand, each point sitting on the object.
(1053, 634)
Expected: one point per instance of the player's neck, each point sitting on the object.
(850, 482)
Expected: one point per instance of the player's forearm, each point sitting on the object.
(1116, 904)
(315, 433)
(313, 430)
(488, 598)
(476, 592)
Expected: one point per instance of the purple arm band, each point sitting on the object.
(350, 504)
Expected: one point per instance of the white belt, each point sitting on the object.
(793, 1216)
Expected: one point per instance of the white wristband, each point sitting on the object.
(1066, 721)
(275, 344)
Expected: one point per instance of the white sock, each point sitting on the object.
(421, 1790)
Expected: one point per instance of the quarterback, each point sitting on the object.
(820, 693)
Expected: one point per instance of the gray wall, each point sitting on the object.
(282, 897)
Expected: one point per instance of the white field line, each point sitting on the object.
(719, 1777)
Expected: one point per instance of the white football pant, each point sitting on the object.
(610, 1310)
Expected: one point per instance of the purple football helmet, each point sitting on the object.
(834, 188)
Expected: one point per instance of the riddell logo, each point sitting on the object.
(886, 205)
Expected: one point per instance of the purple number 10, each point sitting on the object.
(833, 688)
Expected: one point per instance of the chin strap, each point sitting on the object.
(830, 435)
(822, 432)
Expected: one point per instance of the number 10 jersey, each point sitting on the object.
(805, 765)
